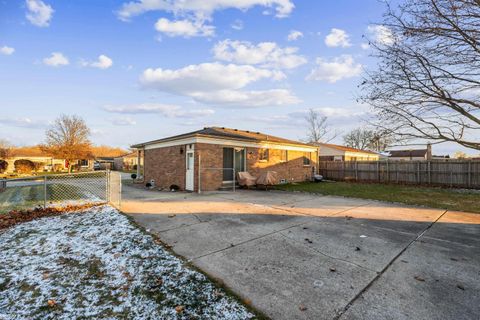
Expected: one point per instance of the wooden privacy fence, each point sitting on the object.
(458, 173)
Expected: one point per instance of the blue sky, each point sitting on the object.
(142, 70)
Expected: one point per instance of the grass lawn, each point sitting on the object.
(96, 264)
(451, 199)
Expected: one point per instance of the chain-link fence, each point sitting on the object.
(59, 190)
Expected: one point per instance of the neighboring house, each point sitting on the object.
(212, 155)
(43, 161)
(408, 155)
(334, 152)
(126, 162)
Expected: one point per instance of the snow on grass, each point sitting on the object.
(96, 264)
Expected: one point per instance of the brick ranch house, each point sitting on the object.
(210, 154)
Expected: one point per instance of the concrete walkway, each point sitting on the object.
(301, 256)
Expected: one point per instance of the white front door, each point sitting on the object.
(189, 178)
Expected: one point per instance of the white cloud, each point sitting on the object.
(169, 111)
(380, 34)
(39, 13)
(237, 24)
(23, 123)
(184, 28)
(265, 54)
(202, 9)
(103, 62)
(205, 77)
(294, 35)
(246, 98)
(7, 50)
(123, 121)
(365, 46)
(337, 38)
(56, 59)
(339, 68)
(219, 84)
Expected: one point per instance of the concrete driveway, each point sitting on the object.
(301, 256)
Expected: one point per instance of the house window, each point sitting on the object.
(283, 155)
(83, 163)
(263, 155)
(306, 158)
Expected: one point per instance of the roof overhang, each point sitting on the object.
(224, 142)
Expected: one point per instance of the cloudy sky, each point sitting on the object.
(146, 69)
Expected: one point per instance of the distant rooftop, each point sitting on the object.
(407, 153)
(342, 148)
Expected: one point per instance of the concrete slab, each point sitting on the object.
(323, 206)
(255, 243)
(277, 198)
(393, 216)
(459, 227)
(432, 280)
(225, 231)
(158, 222)
(344, 239)
(286, 279)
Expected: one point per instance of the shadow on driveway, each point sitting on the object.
(301, 256)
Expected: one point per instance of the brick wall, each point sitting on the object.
(166, 166)
(292, 170)
(211, 158)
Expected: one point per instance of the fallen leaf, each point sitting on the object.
(418, 278)
(51, 303)
(332, 269)
(179, 309)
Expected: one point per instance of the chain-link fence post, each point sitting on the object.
(44, 192)
(107, 186)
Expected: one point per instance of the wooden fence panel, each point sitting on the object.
(456, 173)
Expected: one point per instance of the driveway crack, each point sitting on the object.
(359, 294)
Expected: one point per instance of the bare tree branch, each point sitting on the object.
(317, 128)
(427, 82)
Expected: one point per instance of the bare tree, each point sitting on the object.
(427, 83)
(68, 139)
(358, 138)
(317, 128)
(5, 149)
(361, 138)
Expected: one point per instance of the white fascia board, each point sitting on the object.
(232, 143)
(360, 154)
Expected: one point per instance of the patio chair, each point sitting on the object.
(245, 179)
